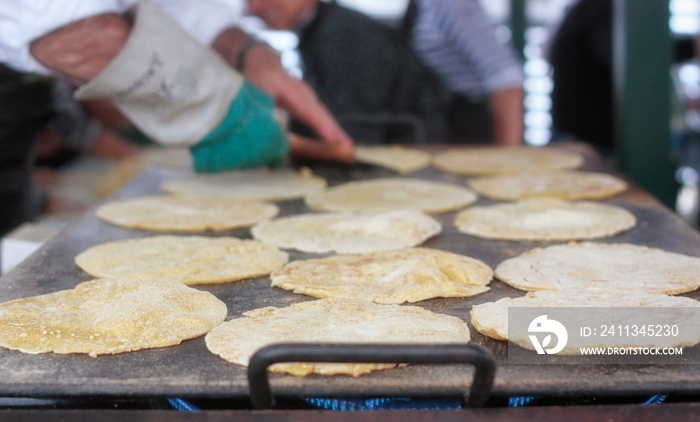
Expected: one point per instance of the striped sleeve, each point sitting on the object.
(458, 40)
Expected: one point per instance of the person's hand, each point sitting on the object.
(171, 87)
(262, 67)
(248, 137)
(309, 149)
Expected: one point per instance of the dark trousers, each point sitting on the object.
(469, 121)
(25, 110)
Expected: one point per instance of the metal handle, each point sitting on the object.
(483, 360)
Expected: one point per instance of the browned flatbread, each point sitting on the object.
(389, 277)
(544, 219)
(569, 185)
(395, 157)
(188, 259)
(491, 160)
(392, 194)
(248, 184)
(332, 321)
(109, 316)
(491, 319)
(348, 232)
(623, 267)
(186, 213)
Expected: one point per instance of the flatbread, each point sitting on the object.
(109, 316)
(332, 321)
(188, 259)
(250, 184)
(392, 194)
(491, 319)
(544, 219)
(570, 185)
(175, 157)
(348, 232)
(622, 266)
(186, 213)
(389, 277)
(493, 160)
(394, 157)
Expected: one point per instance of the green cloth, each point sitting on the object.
(247, 138)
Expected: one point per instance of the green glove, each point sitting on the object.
(248, 137)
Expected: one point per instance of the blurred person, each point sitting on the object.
(25, 109)
(457, 40)
(359, 67)
(153, 63)
(581, 58)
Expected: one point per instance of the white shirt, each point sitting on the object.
(22, 21)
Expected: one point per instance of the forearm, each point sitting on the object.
(262, 67)
(82, 49)
(507, 116)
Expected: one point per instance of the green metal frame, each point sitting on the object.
(642, 60)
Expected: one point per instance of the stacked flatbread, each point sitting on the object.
(395, 157)
(544, 219)
(348, 232)
(622, 267)
(570, 185)
(109, 316)
(491, 319)
(251, 184)
(391, 277)
(188, 259)
(332, 321)
(186, 213)
(391, 194)
(506, 160)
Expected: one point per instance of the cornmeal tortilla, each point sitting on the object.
(248, 184)
(545, 219)
(391, 194)
(348, 232)
(622, 266)
(109, 316)
(176, 157)
(332, 320)
(394, 157)
(569, 185)
(390, 277)
(188, 259)
(506, 160)
(491, 319)
(186, 213)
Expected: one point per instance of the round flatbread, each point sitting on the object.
(332, 321)
(251, 184)
(544, 219)
(491, 319)
(506, 160)
(392, 194)
(389, 277)
(186, 213)
(394, 157)
(109, 316)
(175, 157)
(570, 185)
(188, 259)
(348, 232)
(623, 267)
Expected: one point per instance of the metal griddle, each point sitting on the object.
(189, 370)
